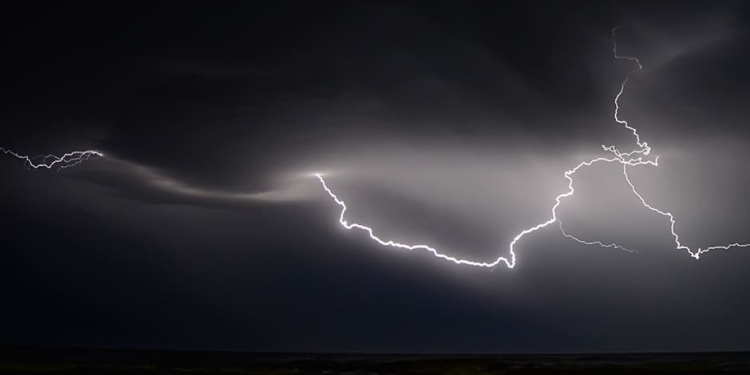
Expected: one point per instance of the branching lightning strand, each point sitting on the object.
(49, 161)
(632, 158)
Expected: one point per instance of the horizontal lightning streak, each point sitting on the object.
(599, 243)
(626, 159)
(68, 160)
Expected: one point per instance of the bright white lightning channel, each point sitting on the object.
(49, 161)
(626, 159)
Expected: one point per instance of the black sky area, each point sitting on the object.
(446, 122)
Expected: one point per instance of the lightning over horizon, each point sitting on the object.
(509, 181)
(639, 156)
(626, 159)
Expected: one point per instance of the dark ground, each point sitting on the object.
(116, 361)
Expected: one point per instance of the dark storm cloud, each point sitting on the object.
(446, 123)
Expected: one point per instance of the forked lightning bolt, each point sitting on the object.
(626, 159)
(51, 161)
(635, 157)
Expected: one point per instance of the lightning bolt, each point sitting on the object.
(636, 157)
(626, 159)
(49, 161)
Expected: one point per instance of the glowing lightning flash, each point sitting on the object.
(68, 160)
(626, 159)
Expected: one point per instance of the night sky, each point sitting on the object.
(445, 123)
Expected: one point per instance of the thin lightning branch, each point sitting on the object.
(599, 243)
(644, 148)
(68, 160)
(625, 159)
